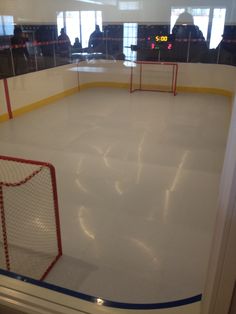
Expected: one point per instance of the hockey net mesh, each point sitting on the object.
(29, 223)
(153, 76)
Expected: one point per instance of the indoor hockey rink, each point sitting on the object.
(138, 179)
(117, 157)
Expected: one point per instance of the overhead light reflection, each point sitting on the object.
(80, 186)
(98, 149)
(118, 188)
(166, 205)
(104, 155)
(38, 222)
(179, 169)
(140, 164)
(91, 1)
(129, 5)
(148, 251)
(173, 185)
(78, 171)
(89, 233)
(129, 64)
(100, 301)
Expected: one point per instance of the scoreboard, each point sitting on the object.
(160, 42)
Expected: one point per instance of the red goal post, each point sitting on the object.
(154, 76)
(30, 237)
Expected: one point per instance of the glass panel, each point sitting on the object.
(212, 31)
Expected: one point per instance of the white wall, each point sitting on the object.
(191, 75)
(33, 87)
(158, 11)
(207, 75)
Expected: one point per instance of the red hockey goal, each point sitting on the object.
(154, 76)
(30, 238)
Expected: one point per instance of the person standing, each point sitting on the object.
(96, 41)
(64, 45)
(19, 51)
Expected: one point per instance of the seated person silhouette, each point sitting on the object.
(77, 44)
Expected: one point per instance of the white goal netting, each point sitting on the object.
(30, 240)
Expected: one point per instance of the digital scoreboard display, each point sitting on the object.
(158, 42)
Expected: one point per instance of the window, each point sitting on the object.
(94, 18)
(175, 13)
(6, 25)
(129, 5)
(60, 22)
(77, 25)
(72, 25)
(130, 38)
(200, 17)
(217, 30)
